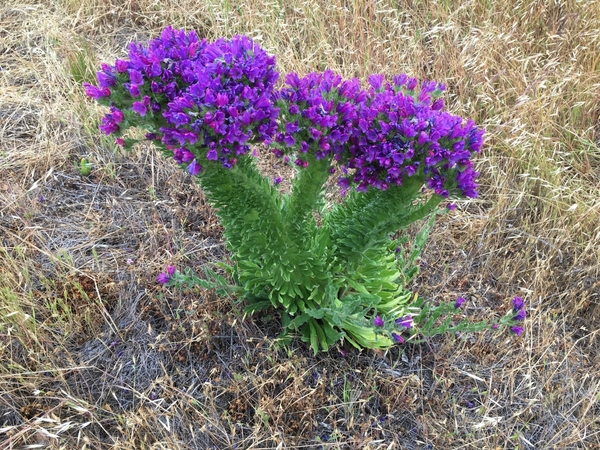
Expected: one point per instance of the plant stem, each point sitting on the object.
(369, 217)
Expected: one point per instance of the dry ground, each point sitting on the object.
(95, 355)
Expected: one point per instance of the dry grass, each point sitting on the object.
(93, 354)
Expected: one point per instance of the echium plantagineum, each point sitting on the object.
(207, 103)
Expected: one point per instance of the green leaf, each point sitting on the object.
(331, 293)
(283, 288)
(331, 333)
(314, 342)
(316, 313)
(299, 321)
(258, 306)
(297, 290)
(321, 336)
(226, 267)
(356, 286)
(350, 302)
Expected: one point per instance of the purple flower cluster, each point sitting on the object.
(210, 101)
(165, 277)
(200, 99)
(319, 112)
(402, 132)
(110, 122)
(520, 315)
(229, 105)
(380, 135)
(154, 74)
(403, 322)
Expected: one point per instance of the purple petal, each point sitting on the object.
(517, 330)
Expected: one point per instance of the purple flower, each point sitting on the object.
(376, 81)
(495, 326)
(139, 108)
(135, 77)
(517, 330)
(521, 314)
(466, 182)
(276, 180)
(378, 321)
(163, 278)
(110, 122)
(451, 206)
(438, 104)
(212, 155)
(459, 302)
(405, 322)
(134, 90)
(106, 78)
(518, 304)
(94, 92)
(194, 168)
(121, 65)
(398, 338)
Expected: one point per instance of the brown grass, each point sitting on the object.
(94, 354)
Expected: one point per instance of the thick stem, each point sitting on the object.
(307, 197)
(270, 262)
(369, 217)
(246, 202)
(301, 228)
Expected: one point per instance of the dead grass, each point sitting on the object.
(93, 354)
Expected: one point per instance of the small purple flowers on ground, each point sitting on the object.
(517, 330)
(518, 304)
(165, 277)
(459, 302)
(520, 315)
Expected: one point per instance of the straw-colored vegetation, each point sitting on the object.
(95, 354)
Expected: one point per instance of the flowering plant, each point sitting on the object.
(397, 154)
